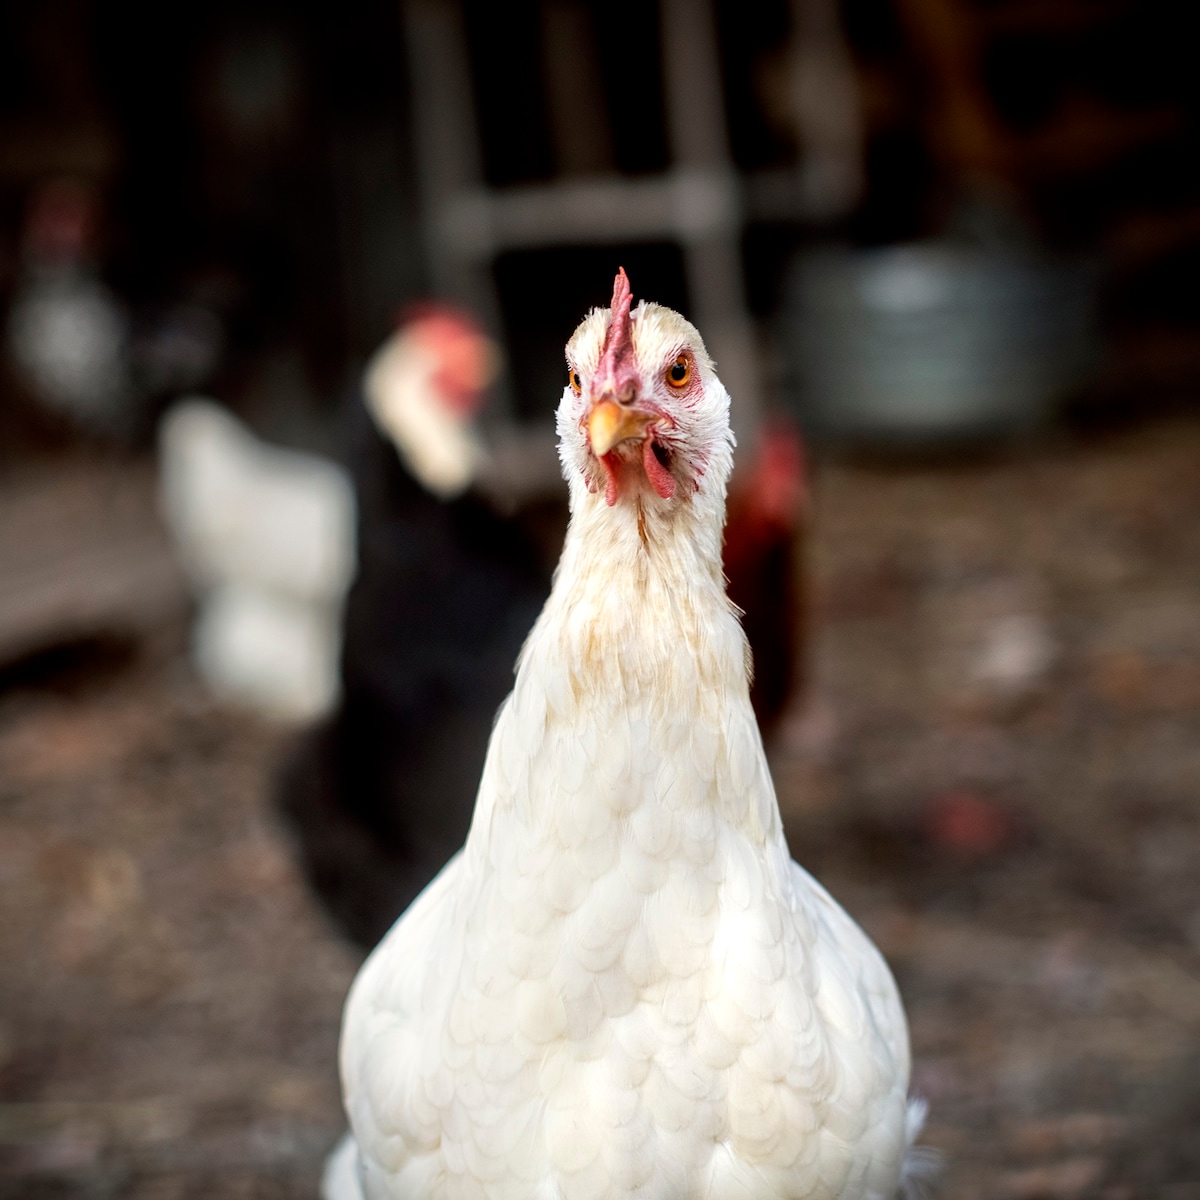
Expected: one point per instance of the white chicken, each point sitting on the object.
(623, 986)
(69, 334)
(266, 536)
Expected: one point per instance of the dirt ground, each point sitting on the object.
(997, 772)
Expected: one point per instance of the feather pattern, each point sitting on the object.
(623, 986)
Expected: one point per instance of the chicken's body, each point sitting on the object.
(623, 986)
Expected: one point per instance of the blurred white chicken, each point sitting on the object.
(623, 986)
(78, 350)
(266, 536)
(68, 334)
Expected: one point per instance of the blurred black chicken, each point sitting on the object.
(381, 795)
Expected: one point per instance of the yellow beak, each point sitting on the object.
(609, 423)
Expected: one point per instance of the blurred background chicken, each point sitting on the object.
(68, 333)
(89, 361)
(764, 563)
(266, 537)
(447, 588)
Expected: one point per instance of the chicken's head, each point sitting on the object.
(462, 361)
(643, 416)
(424, 387)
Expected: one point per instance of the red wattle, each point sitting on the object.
(661, 480)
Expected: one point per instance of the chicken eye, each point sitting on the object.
(575, 382)
(679, 372)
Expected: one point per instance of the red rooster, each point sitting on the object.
(768, 513)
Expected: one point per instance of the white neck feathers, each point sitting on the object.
(632, 691)
(437, 446)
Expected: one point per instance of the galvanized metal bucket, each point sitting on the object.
(933, 341)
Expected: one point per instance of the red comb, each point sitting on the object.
(616, 359)
(622, 295)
